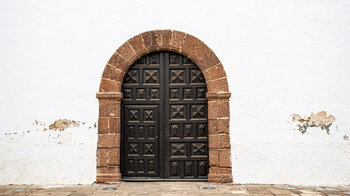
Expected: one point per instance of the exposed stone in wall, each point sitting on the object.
(62, 124)
(314, 120)
(40, 134)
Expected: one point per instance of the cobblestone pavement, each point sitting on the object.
(172, 188)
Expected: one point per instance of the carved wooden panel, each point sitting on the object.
(187, 122)
(164, 122)
(140, 147)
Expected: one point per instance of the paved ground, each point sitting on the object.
(171, 188)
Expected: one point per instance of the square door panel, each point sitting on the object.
(151, 76)
(177, 76)
(177, 111)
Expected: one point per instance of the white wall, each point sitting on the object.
(281, 58)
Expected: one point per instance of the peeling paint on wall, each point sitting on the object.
(42, 133)
(62, 124)
(29, 154)
(314, 120)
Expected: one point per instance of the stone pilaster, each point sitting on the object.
(219, 138)
(108, 148)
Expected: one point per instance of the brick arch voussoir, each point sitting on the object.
(164, 40)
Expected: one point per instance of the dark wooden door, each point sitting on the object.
(164, 119)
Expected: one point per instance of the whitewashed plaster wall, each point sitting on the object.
(281, 58)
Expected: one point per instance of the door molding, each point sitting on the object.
(109, 95)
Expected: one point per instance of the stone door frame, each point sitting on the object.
(110, 96)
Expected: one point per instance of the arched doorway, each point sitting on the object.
(164, 119)
(110, 97)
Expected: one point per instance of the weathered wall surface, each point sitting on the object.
(48, 157)
(283, 59)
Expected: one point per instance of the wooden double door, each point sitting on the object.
(164, 119)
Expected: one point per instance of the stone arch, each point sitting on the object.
(109, 95)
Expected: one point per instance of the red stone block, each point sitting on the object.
(163, 39)
(218, 109)
(225, 158)
(219, 85)
(178, 39)
(138, 44)
(189, 45)
(111, 73)
(213, 158)
(109, 86)
(108, 140)
(114, 125)
(117, 61)
(214, 73)
(113, 108)
(209, 60)
(150, 40)
(102, 125)
(126, 51)
(219, 141)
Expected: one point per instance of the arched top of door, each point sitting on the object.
(164, 40)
